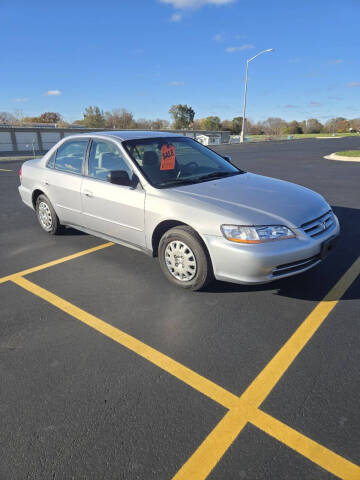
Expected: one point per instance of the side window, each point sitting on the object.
(51, 161)
(104, 157)
(70, 155)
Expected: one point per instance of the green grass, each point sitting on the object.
(299, 136)
(312, 135)
(259, 138)
(349, 153)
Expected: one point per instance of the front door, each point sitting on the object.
(114, 210)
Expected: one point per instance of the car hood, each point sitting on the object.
(258, 200)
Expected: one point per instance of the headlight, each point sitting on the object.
(267, 233)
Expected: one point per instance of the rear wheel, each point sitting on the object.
(183, 259)
(47, 217)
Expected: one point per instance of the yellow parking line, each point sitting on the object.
(242, 409)
(216, 444)
(205, 458)
(260, 388)
(188, 376)
(56, 262)
(220, 438)
(315, 452)
(5, 170)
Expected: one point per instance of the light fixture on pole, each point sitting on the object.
(245, 90)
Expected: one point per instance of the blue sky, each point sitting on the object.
(145, 55)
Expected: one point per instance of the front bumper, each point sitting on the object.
(266, 262)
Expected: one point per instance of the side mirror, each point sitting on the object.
(227, 158)
(119, 177)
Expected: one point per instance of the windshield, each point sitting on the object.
(171, 161)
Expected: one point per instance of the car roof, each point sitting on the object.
(135, 134)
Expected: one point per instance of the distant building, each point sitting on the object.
(209, 139)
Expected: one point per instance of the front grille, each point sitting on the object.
(319, 225)
(295, 266)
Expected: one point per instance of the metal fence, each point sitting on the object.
(23, 140)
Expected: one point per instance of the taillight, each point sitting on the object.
(20, 173)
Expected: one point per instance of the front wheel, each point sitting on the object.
(183, 259)
(46, 216)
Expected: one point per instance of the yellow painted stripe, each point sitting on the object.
(5, 170)
(205, 458)
(56, 262)
(260, 388)
(220, 439)
(186, 375)
(315, 452)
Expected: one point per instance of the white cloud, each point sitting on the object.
(52, 93)
(176, 84)
(291, 106)
(354, 84)
(315, 104)
(21, 99)
(176, 17)
(248, 46)
(219, 37)
(195, 3)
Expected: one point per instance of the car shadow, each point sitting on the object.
(315, 283)
(72, 232)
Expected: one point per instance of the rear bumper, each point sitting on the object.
(26, 196)
(266, 262)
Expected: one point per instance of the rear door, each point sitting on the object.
(114, 210)
(63, 178)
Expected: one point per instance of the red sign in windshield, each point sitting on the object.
(167, 157)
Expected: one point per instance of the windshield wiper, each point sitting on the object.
(177, 181)
(215, 175)
(203, 178)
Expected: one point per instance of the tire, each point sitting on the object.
(183, 258)
(47, 217)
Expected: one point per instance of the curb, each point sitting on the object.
(340, 158)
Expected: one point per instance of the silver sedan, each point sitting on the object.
(175, 199)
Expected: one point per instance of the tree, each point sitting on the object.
(338, 125)
(226, 125)
(255, 129)
(313, 126)
(31, 120)
(210, 123)
(355, 124)
(342, 125)
(160, 124)
(93, 117)
(6, 117)
(294, 128)
(143, 124)
(236, 125)
(182, 115)
(50, 117)
(119, 119)
(274, 126)
(195, 125)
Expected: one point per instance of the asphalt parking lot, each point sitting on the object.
(110, 372)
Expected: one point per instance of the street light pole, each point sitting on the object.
(245, 90)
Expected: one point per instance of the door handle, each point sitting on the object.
(46, 182)
(88, 193)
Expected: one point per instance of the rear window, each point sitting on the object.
(70, 156)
